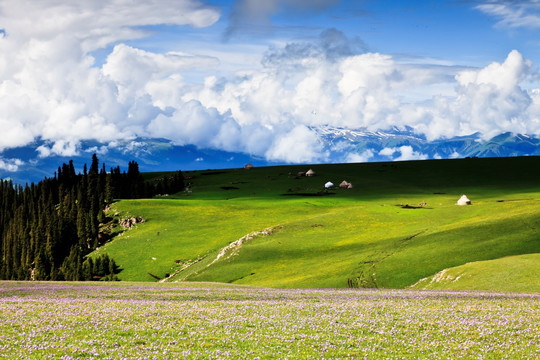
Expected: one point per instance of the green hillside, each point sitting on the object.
(374, 235)
(520, 273)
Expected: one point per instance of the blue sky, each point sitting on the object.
(453, 32)
(256, 76)
(464, 32)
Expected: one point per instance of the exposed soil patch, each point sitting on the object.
(233, 248)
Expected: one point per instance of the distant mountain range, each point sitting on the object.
(338, 144)
(151, 155)
(358, 141)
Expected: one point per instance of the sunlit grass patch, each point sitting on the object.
(518, 273)
(399, 224)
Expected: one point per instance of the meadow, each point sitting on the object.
(268, 227)
(47, 320)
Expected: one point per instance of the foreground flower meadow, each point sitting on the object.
(160, 321)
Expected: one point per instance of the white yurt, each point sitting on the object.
(328, 185)
(463, 200)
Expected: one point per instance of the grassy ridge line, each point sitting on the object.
(325, 240)
(518, 273)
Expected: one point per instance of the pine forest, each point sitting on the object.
(48, 229)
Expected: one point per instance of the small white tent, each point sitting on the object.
(463, 200)
(328, 185)
(310, 172)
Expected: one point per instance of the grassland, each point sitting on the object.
(189, 321)
(518, 273)
(375, 235)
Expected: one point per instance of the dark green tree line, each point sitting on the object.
(48, 228)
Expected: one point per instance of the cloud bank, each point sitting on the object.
(51, 88)
(512, 13)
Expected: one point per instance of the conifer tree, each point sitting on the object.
(87, 270)
(41, 271)
(49, 228)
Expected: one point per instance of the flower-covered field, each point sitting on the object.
(171, 321)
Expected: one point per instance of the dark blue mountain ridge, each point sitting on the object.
(152, 155)
(337, 144)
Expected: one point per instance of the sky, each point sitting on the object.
(257, 76)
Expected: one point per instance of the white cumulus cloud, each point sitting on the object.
(298, 145)
(51, 87)
(10, 165)
(364, 156)
(403, 153)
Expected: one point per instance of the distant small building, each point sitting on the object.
(310, 172)
(300, 174)
(248, 167)
(328, 185)
(463, 200)
(344, 185)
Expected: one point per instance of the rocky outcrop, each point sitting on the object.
(129, 223)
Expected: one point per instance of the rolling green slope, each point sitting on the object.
(375, 235)
(518, 273)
